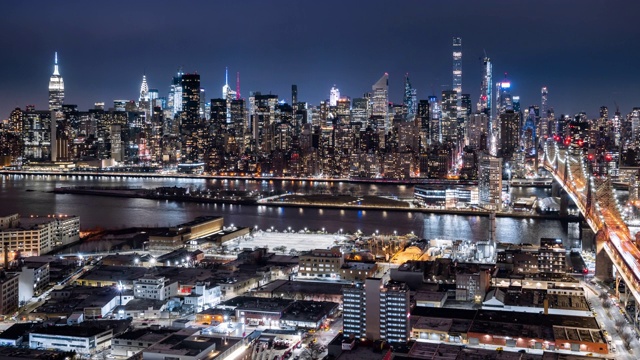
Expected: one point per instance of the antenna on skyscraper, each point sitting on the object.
(226, 75)
(238, 85)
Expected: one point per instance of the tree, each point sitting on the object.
(281, 249)
(293, 252)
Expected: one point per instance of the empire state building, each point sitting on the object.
(56, 89)
(56, 99)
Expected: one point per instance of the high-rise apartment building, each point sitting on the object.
(457, 67)
(490, 181)
(294, 95)
(449, 121)
(435, 131)
(192, 146)
(477, 131)
(509, 134)
(9, 292)
(485, 102)
(423, 116)
(190, 98)
(395, 309)
(377, 309)
(543, 103)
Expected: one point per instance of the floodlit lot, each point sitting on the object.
(300, 242)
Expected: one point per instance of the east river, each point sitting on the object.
(31, 194)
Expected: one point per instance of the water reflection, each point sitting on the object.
(122, 212)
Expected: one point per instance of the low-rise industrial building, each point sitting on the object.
(509, 329)
(83, 340)
(193, 347)
(36, 235)
(133, 342)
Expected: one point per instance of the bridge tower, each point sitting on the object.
(604, 265)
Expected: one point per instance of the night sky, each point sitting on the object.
(586, 52)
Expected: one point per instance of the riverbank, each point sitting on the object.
(546, 183)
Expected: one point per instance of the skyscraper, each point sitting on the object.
(504, 100)
(485, 101)
(227, 92)
(191, 97)
(380, 100)
(409, 101)
(56, 99)
(174, 101)
(192, 147)
(56, 89)
(509, 134)
(435, 134)
(543, 106)
(334, 95)
(144, 90)
(294, 95)
(457, 67)
(423, 115)
(449, 122)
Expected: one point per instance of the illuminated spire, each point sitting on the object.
(226, 90)
(144, 89)
(56, 87)
(55, 65)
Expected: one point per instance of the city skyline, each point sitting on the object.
(589, 80)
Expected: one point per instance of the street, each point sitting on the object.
(607, 319)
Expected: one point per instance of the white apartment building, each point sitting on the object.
(154, 288)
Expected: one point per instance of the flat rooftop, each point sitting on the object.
(191, 345)
(143, 305)
(79, 331)
(114, 273)
(306, 287)
(32, 223)
(300, 242)
(145, 335)
(309, 310)
(258, 304)
(15, 331)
